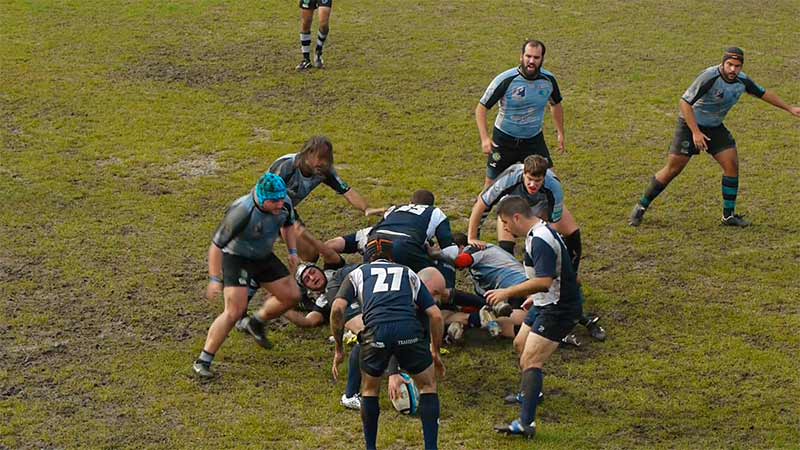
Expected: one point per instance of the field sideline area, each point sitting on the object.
(127, 127)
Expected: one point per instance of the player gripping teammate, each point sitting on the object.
(392, 298)
(703, 108)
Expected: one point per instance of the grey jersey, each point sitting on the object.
(299, 185)
(549, 197)
(494, 268)
(248, 232)
(711, 96)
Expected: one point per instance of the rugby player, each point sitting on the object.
(307, 8)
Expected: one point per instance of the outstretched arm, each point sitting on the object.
(355, 199)
(773, 99)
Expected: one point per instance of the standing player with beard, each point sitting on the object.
(703, 107)
(524, 92)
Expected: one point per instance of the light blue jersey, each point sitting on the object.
(494, 268)
(547, 202)
(248, 232)
(522, 101)
(711, 96)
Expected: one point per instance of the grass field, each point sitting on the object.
(127, 127)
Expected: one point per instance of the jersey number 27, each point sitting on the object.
(394, 273)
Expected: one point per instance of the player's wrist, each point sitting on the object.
(292, 251)
(215, 279)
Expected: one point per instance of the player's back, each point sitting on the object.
(417, 222)
(387, 292)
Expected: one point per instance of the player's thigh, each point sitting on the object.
(426, 380)
(521, 337)
(375, 352)
(728, 159)
(536, 351)
(235, 300)
(324, 12)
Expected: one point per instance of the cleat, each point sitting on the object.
(516, 399)
(486, 316)
(202, 369)
(353, 402)
(241, 324)
(259, 333)
(516, 428)
(735, 220)
(304, 65)
(349, 338)
(455, 331)
(637, 215)
(318, 63)
(572, 340)
(595, 330)
(502, 309)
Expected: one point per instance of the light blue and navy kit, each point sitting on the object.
(410, 227)
(495, 268)
(393, 301)
(547, 202)
(300, 186)
(518, 126)
(555, 312)
(246, 237)
(711, 97)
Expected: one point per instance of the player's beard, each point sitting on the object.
(528, 73)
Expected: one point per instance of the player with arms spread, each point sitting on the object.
(703, 107)
(393, 300)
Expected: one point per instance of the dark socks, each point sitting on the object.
(531, 387)
(474, 320)
(333, 266)
(574, 248)
(354, 373)
(429, 413)
(730, 188)
(507, 246)
(370, 410)
(461, 298)
(651, 192)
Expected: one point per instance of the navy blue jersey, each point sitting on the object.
(420, 223)
(299, 185)
(248, 232)
(547, 256)
(388, 292)
(549, 198)
(522, 101)
(712, 96)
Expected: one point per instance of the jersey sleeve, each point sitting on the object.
(555, 96)
(335, 182)
(751, 87)
(504, 183)
(700, 86)
(554, 185)
(497, 89)
(543, 258)
(236, 218)
(290, 217)
(348, 290)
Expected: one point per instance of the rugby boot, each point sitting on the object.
(594, 328)
(516, 428)
(259, 333)
(202, 369)
(572, 340)
(637, 215)
(502, 309)
(516, 399)
(304, 65)
(318, 63)
(735, 220)
(353, 402)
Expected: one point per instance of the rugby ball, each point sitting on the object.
(408, 402)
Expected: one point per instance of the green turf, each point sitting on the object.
(126, 128)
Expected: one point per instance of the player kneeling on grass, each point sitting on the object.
(392, 296)
(242, 245)
(557, 305)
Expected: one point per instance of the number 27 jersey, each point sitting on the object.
(388, 292)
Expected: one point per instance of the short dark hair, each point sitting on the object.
(317, 145)
(535, 43)
(514, 204)
(460, 239)
(535, 165)
(423, 197)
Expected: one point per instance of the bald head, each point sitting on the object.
(434, 281)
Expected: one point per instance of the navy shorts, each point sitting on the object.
(406, 341)
(553, 321)
(239, 271)
(314, 4)
(411, 254)
(682, 143)
(508, 150)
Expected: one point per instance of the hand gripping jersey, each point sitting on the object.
(419, 223)
(388, 292)
(248, 232)
(549, 198)
(711, 96)
(298, 185)
(546, 256)
(522, 101)
(494, 268)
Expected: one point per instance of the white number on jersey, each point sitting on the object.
(396, 274)
(413, 209)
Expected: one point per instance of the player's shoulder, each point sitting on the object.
(506, 74)
(547, 73)
(709, 73)
(743, 77)
(283, 163)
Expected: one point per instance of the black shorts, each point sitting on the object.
(553, 321)
(508, 150)
(237, 271)
(314, 4)
(405, 340)
(682, 143)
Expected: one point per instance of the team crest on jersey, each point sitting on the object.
(518, 92)
(542, 92)
(496, 156)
